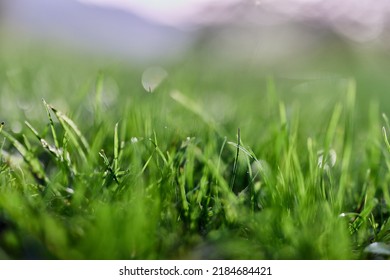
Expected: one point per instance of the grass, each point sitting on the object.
(217, 162)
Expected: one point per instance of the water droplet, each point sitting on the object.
(16, 127)
(110, 92)
(328, 161)
(332, 157)
(44, 143)
(378, 248)
(153, 77)
(134, 140)
(69, 190)
(25, 105)
(15, 160)
(261, 168)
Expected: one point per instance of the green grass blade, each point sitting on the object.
(197, 109)
(73, 126)
(29, 158)
(55, 152)
(53, 131)
(116, 148)
(73, 132)
(347, 143)
(108, 166)
(235, 164)
(332, 128)
(384, 134)
(99, 87)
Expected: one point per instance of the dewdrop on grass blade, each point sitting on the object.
(326, 161)
(69, 190)
(378, 248)
(16, 127)
(152, 77)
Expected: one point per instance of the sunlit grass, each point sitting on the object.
(215, 165)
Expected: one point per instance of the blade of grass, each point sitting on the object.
(73, 132)
(29, 158)
(197, 109)
(347, 153)
(2, 144)
(99, 85)
(159, 152)
(262, 171)
(384, 133)
(60, 155)
(228, 198)
(108, 166)
(52, 150)
(116, 148)
(62, 117)
(235, 165)
(53, 131)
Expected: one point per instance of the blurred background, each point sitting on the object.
(307, 45)
(266, 31)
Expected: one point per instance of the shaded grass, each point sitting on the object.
(124, 174)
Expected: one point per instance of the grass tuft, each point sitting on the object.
(129, 175)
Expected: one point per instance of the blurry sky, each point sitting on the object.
(172, 12)
(101, 29)
(145, 30)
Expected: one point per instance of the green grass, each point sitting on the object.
(219, 162)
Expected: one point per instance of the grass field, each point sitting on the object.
(221, 161)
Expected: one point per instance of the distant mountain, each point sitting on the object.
(94, 28)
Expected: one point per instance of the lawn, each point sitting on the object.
(222, 160)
